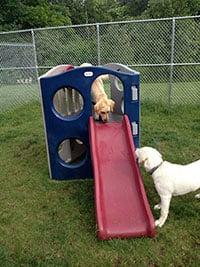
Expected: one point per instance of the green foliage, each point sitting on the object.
(25, 14)
(102, 11)
(135, 7)
(67, 45)
(21, 14)
(172, 8)
(127, 43)
(45, 15)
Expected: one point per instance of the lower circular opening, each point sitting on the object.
(72, 151)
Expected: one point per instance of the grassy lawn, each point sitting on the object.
(13, 96)
(181, 92)
(48, 223)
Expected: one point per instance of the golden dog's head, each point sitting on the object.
(103, 107)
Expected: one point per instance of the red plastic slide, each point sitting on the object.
(122, 208)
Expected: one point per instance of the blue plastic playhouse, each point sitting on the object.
(64, 130)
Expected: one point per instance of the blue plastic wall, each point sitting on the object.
(59, 128)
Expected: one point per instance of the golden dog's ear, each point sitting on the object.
(96, 107)
(112, 104)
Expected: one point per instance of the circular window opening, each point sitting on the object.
(72, 151)
(68, 102)
(110, 84)
(101, 82)
(118, 84)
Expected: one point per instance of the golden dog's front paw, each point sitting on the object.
(96, 117)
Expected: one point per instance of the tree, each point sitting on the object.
(45, 15)
(92, 11)
(22, 14)
(172, 8)
(134, 8)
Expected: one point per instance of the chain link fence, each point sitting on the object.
(18, 73)
(165, 51)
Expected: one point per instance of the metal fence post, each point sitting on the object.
(37, 76)
(171, 62)
(98, 45)
(35, 53)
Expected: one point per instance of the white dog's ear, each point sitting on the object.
(137, 153)
(139, 156)
(147, 164)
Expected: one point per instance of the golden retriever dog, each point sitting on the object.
(103, 105)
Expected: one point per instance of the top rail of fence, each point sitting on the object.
(101, 23)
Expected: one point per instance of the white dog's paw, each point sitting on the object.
(157, 207)
(159, 223)
(197, 196)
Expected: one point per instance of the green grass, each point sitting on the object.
(13, 96)
(181, 92)
(47, 223)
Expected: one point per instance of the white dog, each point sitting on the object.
(169, 179)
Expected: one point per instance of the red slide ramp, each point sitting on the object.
(122, 208)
